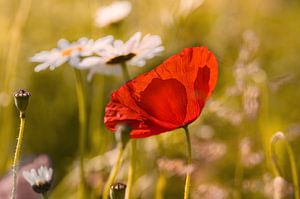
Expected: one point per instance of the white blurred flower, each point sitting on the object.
(68, 52)
(211, 192)
(134, 52)
(188, 6)
(39, 180)
(249, 158)
(113, 13)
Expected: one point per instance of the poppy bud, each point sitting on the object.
(21, 100)
(123, 134)
(117, 191)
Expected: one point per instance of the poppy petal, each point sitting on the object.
(166, 100)
(168, 97)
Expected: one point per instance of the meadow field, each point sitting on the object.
(244, 144)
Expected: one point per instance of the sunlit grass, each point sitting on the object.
(52, 128)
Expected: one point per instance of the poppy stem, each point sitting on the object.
(189, 161)
(280, 136)
(82, 126)
(131, 169)
(125, 71)
(113, 173)
(17, 154)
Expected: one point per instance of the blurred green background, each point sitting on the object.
(257, 45)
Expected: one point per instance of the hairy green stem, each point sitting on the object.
(17, 154)
(114, 172)
(83, 128)
(131, 169)
(189, 161)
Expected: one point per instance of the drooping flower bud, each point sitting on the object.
(22, 99)
(117, 191)
(123, 134)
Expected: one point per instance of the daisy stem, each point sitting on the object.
(189, 161)
(82, 125)
(17, 154)
(131, 169)
(125, 71)
(113, 173)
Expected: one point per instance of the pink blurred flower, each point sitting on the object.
(24, 190)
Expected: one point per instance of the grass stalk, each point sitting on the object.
(17, 155)
(189, 162)
(82, 129)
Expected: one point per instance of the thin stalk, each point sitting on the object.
(162, 180)
(292, 160)
(17, 154)
(160, 186)
(113, 173)
(294, 169)
(125, 71)
(131, 169)
(189, 161)
(83, 128)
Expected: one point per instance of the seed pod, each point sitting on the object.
(22, 99)
(117, 191)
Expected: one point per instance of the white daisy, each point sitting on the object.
(134, 52)
(69, 52)
(113, 13)
(39, 180)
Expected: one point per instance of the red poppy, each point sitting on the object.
(168, 97)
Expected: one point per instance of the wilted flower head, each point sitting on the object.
(135, 52)
(70, 52)
(39, 180)
(113, 13)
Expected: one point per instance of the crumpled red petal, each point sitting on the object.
(168, 97)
